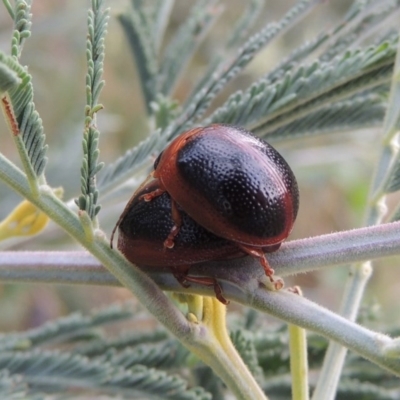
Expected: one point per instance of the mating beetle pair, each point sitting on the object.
(216, 192)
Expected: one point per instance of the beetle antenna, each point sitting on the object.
(113, 232)
(121, 217)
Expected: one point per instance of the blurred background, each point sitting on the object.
(333, 172)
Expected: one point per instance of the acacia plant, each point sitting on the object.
(345, 79)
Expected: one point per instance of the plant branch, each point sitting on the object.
(304, 313)
(297, 256)
(335, 355)
(289, 307)
(215, 346)
(9, 8)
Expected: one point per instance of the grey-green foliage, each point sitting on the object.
(8, 76)
(165, 110)
(13, 387)
(93, 363)
(245, 345)
(29, 129)
(88, 200)
(69, 328)
(267, 106)
(360, 111)
(360, 379)
(138, 27)
(132, 161)
(22, 25)
(240, 32)
(356, 390)
(185, 42)
(227, 70)
(30, 126)
(360, 21)
(97, 27)
(158, 71)
(56, 371)
(245, 22)
(165, 355)
(98, 347)
(149, 363)
(341, 87)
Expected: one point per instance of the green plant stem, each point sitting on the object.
(72, 267)
(297, 256)
(30, 173)
(216, 347)
(298, 362)
(9, 8)
(392, 349)
(335, 356)
(302, 312)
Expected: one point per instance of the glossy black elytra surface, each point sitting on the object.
(244, 178)
(146, 225)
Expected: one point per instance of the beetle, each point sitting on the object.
(143, 227)
(233, 184)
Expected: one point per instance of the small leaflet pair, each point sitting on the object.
(216, 193)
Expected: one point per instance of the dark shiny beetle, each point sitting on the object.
(232, 184)
(144, 227)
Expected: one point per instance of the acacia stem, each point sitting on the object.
(294, 257)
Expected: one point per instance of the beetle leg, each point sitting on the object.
(152, 195)
(209, 282)
(181, 275)
(218, 293)
(259, 253)
(177, 218)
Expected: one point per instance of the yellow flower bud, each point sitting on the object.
(24, 220)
